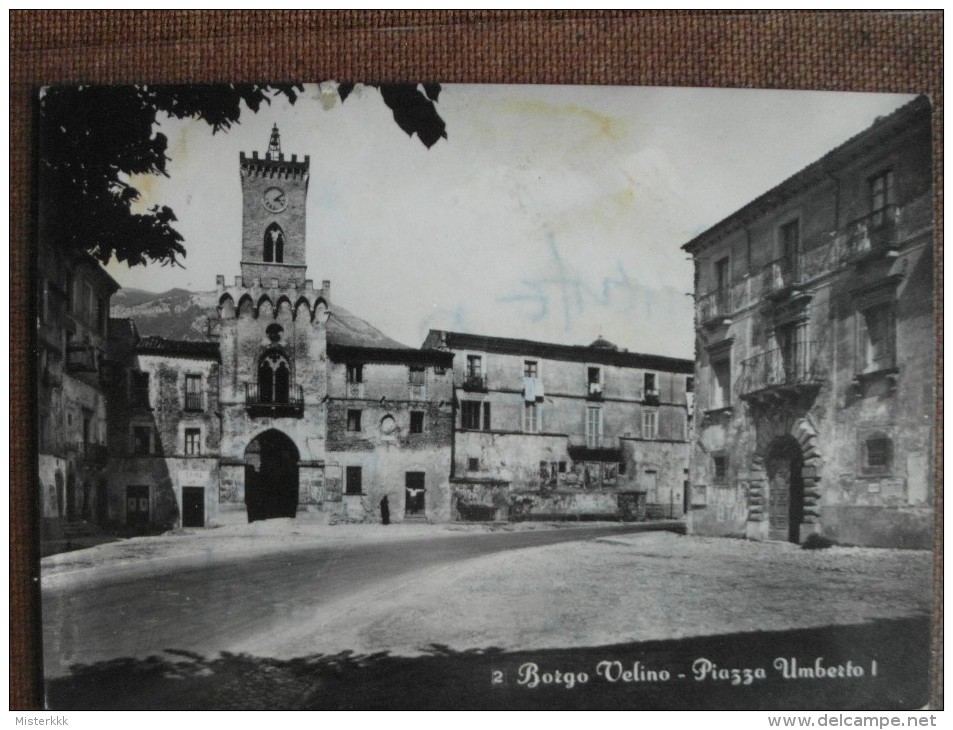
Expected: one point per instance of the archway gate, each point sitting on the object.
(271, 476)
(787, 458)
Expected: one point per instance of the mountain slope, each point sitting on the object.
(183, 315)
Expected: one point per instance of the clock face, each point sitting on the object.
(274, 200)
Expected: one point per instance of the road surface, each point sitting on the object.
(210, 609)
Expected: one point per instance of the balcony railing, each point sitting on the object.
(650, 396)
(790, 368)
(474, 381)
(273, 402)
(715, 305)
(354, 390)
(781, 274)
(595, 392)
(878, 232)
(593, 447)
(193, 401)
(94, 454)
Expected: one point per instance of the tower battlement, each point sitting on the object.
(274, 165)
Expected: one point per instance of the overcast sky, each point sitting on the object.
(550, 213)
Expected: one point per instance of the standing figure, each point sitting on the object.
(385, 511)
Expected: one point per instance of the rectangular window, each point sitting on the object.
(881, 191)
(470, 415)
(353, 420)
(193, 441)
(139, 389)
(352, 480)
(142, 440)
(878, 453)
(593, 428)
(486, 415)
(720, 383)
(530, 368)
(876, 335)
(689, 384)
(416, 375)
(649, 424)
(355, 372)
(473, 464)
(594, 381)
(722, 276)
(530, 418)
(720, 462)
(474, 366)
(789, 237)
(416, 421)
(650, 392)
(193, 392)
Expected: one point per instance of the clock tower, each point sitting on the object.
(274, 197)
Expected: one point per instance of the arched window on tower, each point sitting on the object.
(274, 378)
(274, 244)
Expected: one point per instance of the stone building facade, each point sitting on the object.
(815, 334)
(72, 312)
(288, 409)
(546, 431)
(164, 431)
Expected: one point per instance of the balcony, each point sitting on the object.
(80, 358)
(714, 308)
(595, 447)
(781, 372)
(782, 278)
(474, 382)
(595, 392)
(354, 389)
(274, 403)
(872, 236)
(92, 454)
(193, 401)
(650, 396)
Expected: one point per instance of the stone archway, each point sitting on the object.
(271, 476)
(785, 499)
(787, 463)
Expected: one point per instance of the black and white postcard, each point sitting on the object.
(362, 396)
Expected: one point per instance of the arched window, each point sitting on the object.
(274, 378)
(274, 244)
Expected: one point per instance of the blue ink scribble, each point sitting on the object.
(572, 292)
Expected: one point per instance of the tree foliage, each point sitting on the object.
(92, 138)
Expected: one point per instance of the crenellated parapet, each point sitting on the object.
(274, 166)
(273, 299)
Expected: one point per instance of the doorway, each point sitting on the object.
(193, 507)
(414, 497)
(785, 489)
(137, 505)
(271, 477)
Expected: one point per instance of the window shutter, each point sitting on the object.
(486, 415)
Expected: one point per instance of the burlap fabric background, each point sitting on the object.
(858, 51)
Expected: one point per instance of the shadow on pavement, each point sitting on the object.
(888, 658)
